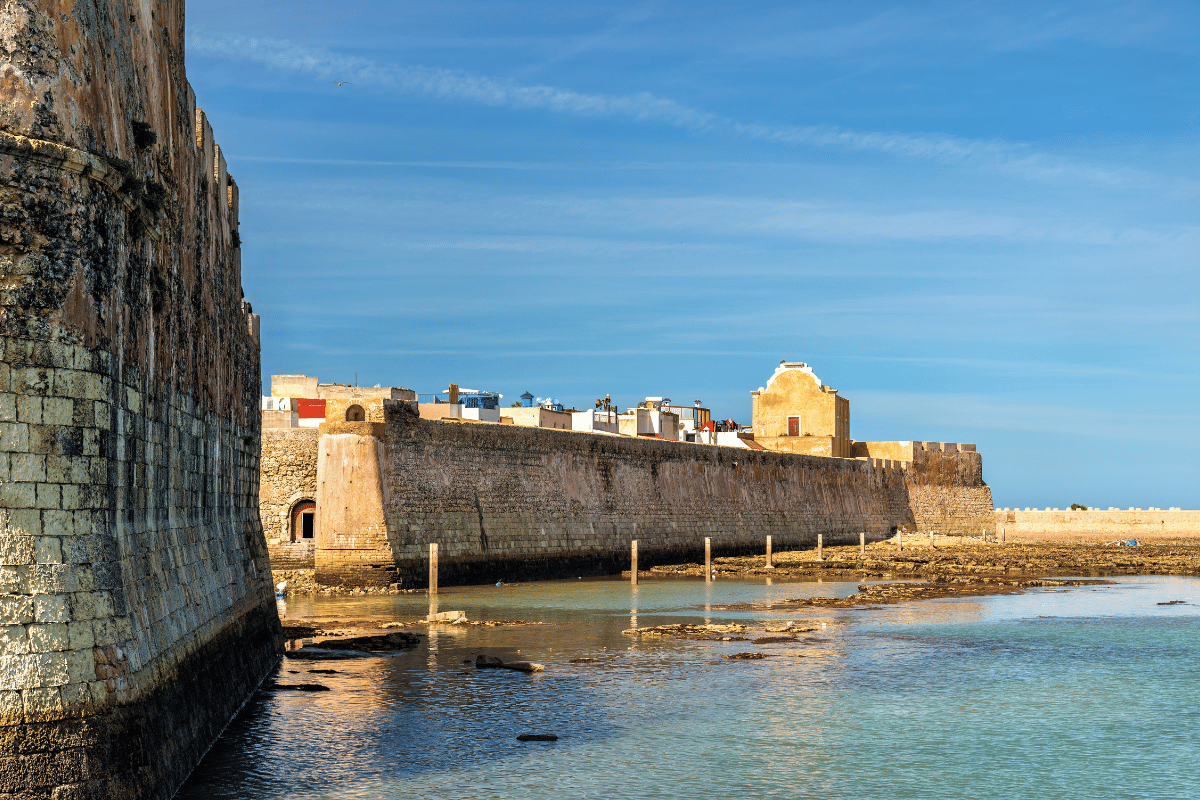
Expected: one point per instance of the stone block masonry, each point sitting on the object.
(947, 493)
(507, 502)
(1100, 525)
(289, 477)
(136, 613)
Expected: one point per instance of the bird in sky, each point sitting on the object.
(340, 83)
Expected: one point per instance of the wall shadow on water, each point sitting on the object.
(389, 720)
(1075, 694)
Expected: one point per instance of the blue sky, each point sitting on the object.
(978, 221)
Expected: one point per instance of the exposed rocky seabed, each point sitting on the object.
(950, 560)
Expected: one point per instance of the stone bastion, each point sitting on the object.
(136, 610)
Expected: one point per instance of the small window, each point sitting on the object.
(355, 413)
(304, 521)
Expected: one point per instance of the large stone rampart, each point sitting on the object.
(136, 612)
(1095, 525)
(507, 502)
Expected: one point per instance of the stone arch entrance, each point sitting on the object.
(303, 526)
(355, 413)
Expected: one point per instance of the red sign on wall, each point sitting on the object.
(310, 409)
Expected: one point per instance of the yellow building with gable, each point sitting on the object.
(796, 413)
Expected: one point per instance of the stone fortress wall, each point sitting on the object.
(947, 493)
(506, 503)
(136, 612)
(289, 476)
(1100, 525)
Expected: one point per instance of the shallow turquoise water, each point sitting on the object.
(1082, 693)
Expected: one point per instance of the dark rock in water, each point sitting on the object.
(585, 660)
(299, 631)
(387, 643)
(324, 671)
(773, 639)
(318, 654)
(1172, 603)
(537, 737)
(744, 656)
(300, 687)
(491, 662)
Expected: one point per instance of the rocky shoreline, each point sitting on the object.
(876, 595)
(951, 560)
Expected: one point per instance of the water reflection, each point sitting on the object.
(939, 699)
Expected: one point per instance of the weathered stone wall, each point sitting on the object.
(136, 612)
(947, 493)
(289, 476)
(1100, 526)
(508, 502)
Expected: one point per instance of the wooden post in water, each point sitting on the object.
(707, 559)
(433, 567)
(820, 545)
(899, 539)
(633, 562)
(769, 564)
(862, 543)
(931, 535)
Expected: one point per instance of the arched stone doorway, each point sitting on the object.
(304, 521)
(355, 413)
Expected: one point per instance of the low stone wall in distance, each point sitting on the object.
(1100, 526)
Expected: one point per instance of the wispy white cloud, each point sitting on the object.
(557, 244)
(510, 351)
(1012, 157)
(1039, 367)
(686, 218)
(458, 85)
(980, 412)
(533, 166)
(906, 32)
(450, 84)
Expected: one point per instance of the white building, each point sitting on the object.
(650, 420)
(596, 420)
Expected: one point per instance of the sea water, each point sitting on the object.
(1085, 692)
